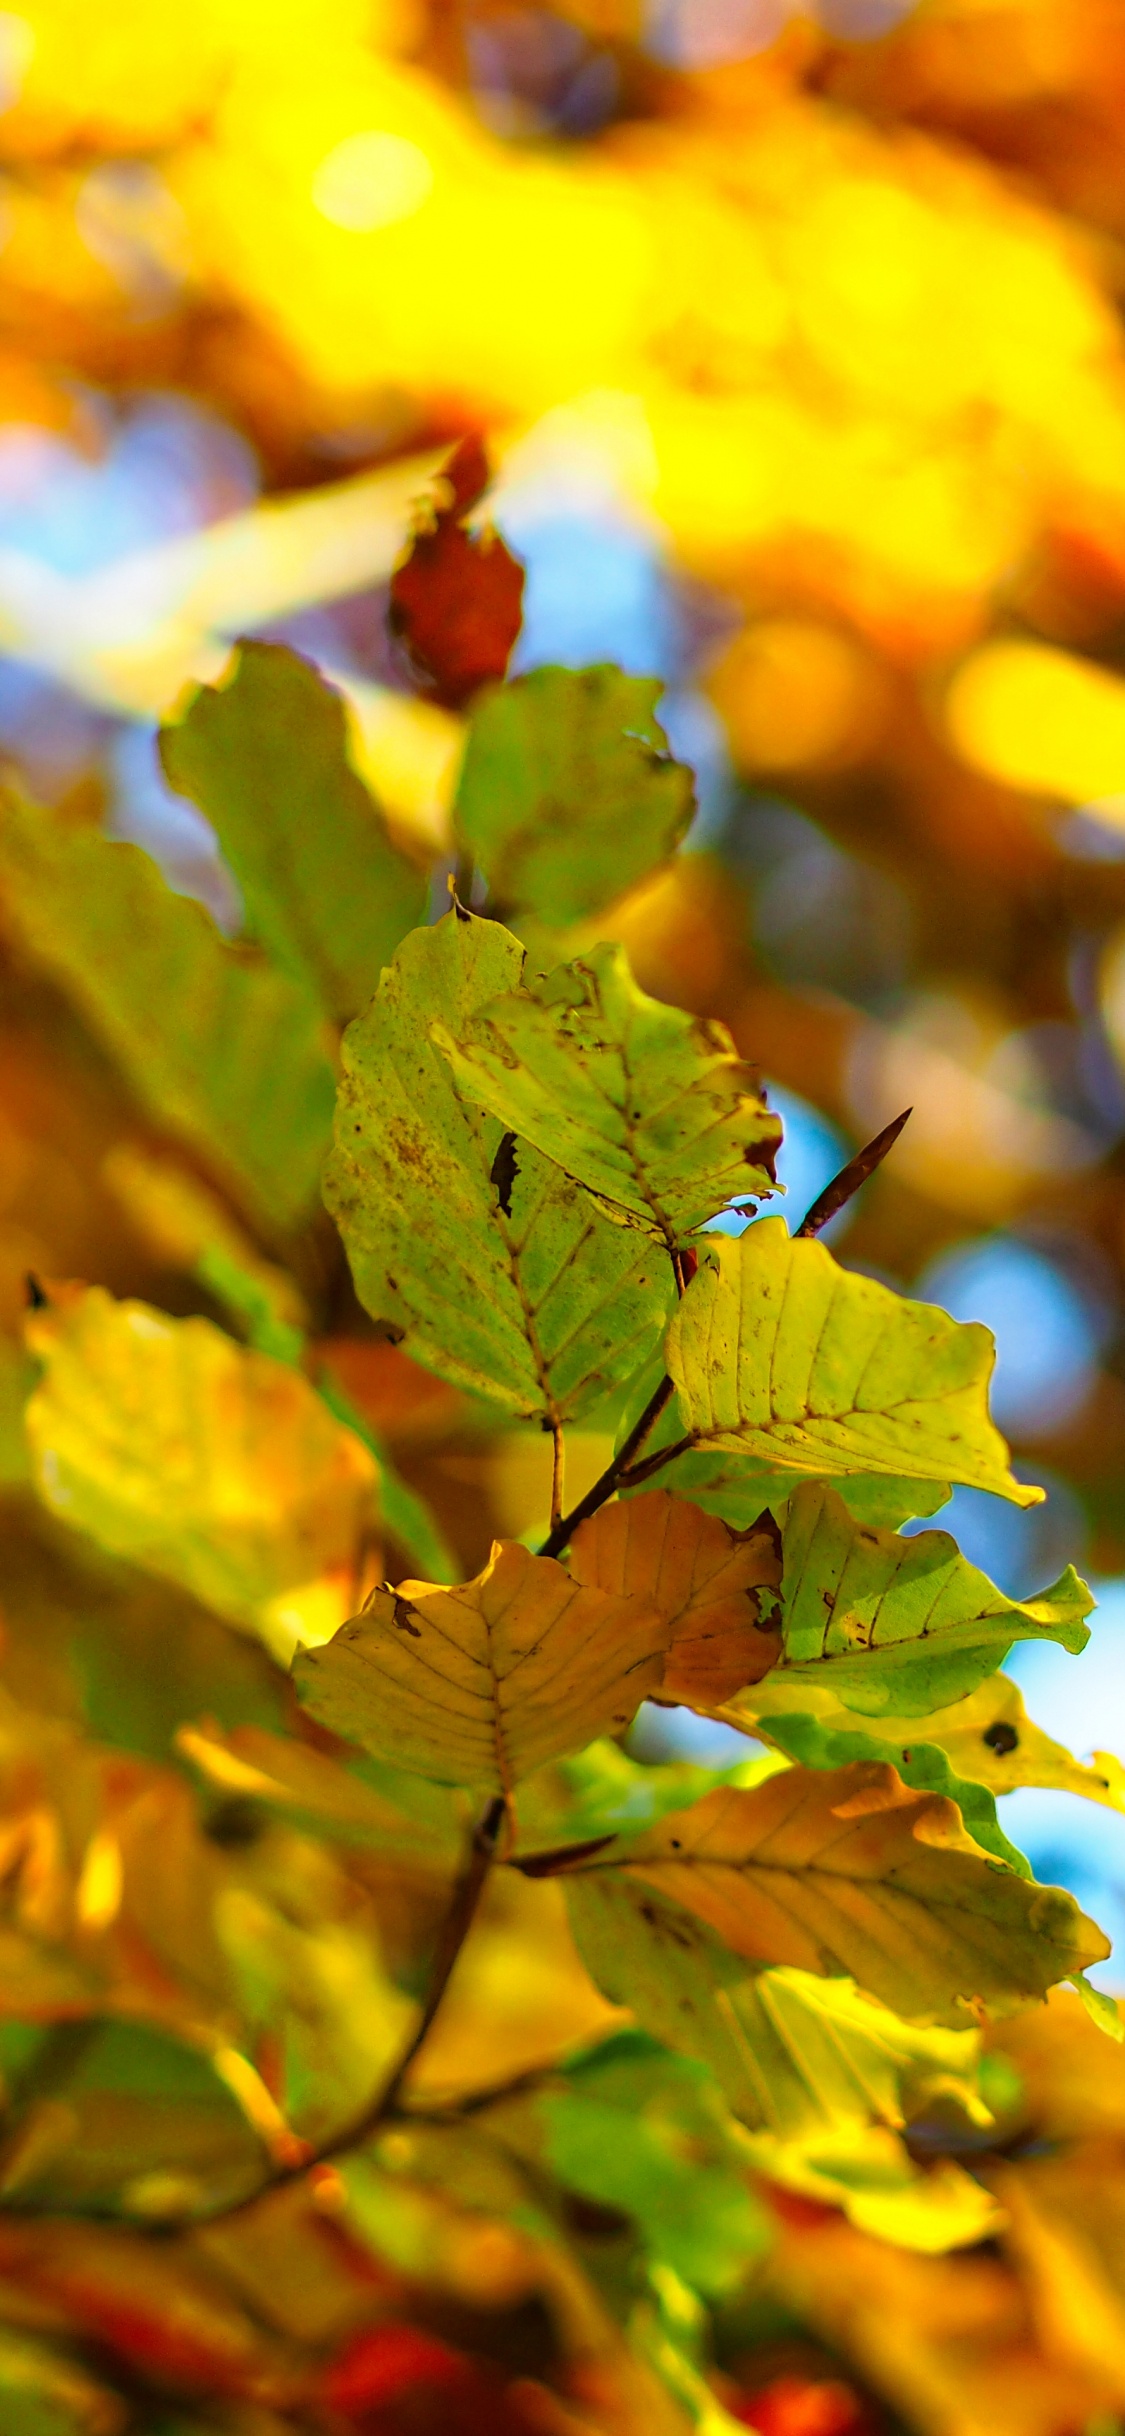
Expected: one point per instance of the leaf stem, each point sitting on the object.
(558, 1473)
(563, 1531)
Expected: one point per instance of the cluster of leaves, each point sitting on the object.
(373, 2025)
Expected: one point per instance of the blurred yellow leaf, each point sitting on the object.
(215, 1467)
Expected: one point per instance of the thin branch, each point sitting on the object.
(563, 1532)
(850, 1178)
(558, 1472)
(463, 1906)
(654, 1463)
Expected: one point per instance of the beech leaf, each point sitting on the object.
(214, 1467)
(457, 599)
(779, 1353)
(987, 1737)
(849, 1872)
(221, 1050)
(902, 1624)
(264, 754)
(484, 1683)
(568, 794)
(649, 1108)
(502, 1276)
(715, 1588)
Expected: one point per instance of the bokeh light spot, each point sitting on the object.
(372, 180)
(1047, 1332)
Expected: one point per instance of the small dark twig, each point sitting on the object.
(463, 1905)
(603, 1488)
(454, 1930)
(857, 1171)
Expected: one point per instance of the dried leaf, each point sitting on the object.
(715, 1588)
(457, 598)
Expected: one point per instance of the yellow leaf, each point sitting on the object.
(715, 1587)
(483, 1683)
(214, 1467)
(848, 1871)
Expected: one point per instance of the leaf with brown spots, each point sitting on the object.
(716, 1588)
(457, 598)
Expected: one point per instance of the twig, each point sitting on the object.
(558, 1472)
(454, 1930)
(851, 1177)
(462, 1911)
(563, 1532)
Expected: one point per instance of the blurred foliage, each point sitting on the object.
(814, 311)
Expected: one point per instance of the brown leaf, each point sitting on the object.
(713, 1586)
(457, 599)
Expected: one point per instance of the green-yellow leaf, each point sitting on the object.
(779, 1353)
(921, 1764)
(265, 756)
(988, 1737)
(905, 1625)
(850, 1872)
(482, 1684)
(502, 1275)
(212, 1466)
(221, 1050)
(650, 1108)
(568, 794)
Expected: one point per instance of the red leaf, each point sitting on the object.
(457, 600)
(387, 2361)
(799, 2406)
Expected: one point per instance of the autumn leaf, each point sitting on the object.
(716, 1588)
(850, 1872)
(779, 1353)
(568, 794)
(502, 1276)
(457, 599)
(649, 1108)
(264, 754)
(482, 1684)
(816, 1741)
(222, 1051)
(212, 1466)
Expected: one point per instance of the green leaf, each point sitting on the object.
(221, 1050)
(49, 2393)
(568, 793)
(649, 1108)
(779, 1353)
(265, 756)
(502, 1276)
(923, 1765)
(906, 1625)
(203, 1462)
(851, 1872)
(484, 1683)
(637, 2129)
(602, 1792)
